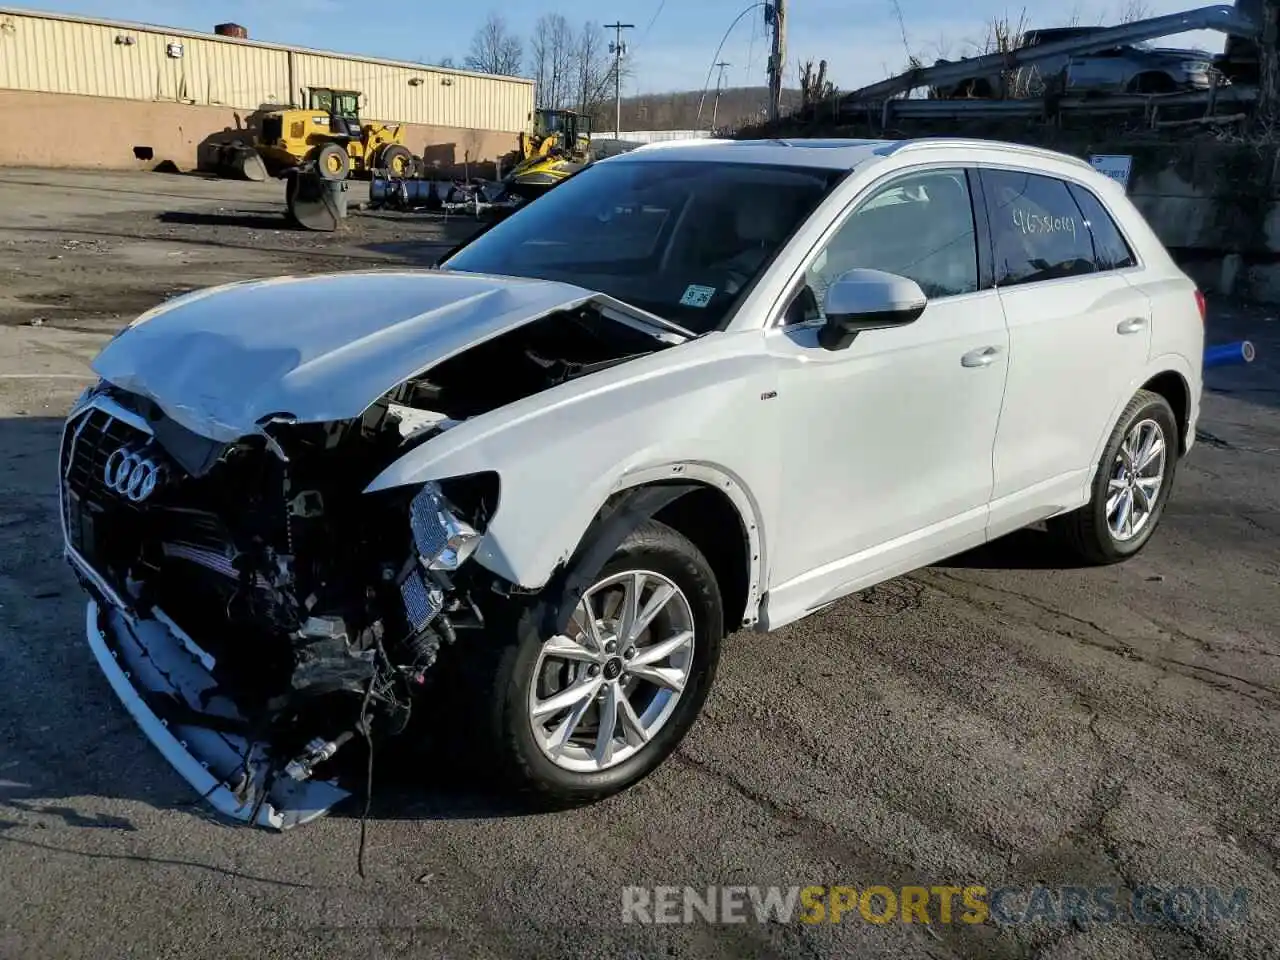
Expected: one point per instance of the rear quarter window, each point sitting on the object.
(1110, 250)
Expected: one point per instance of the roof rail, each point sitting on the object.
(936, 143)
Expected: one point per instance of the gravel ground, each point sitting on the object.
(1000, 719)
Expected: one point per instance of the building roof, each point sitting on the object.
(198, 35)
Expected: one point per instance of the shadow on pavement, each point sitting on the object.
(1022, 550)
(248, 221)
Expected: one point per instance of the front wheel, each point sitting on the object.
(585, 714)
(397, 161)
(1131, 486)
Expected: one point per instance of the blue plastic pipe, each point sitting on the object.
(1229, 354)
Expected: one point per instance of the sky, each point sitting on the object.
(673, 45)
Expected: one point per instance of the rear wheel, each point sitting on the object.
(585, 714)
(1131, 487)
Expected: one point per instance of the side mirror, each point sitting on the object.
(863, 300)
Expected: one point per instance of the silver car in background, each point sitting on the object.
(1131, 68)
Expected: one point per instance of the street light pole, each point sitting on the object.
(618, 49)
(715, 109)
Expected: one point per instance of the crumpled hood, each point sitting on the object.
(314, 348)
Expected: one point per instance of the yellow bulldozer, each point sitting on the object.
(329, 133)
(558, 147)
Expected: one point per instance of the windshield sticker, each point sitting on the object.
(697, 295)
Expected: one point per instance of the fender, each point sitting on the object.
(750, 516)
(676, 416)
(1168, 363)
(598, 544)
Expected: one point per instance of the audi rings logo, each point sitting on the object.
(132, 475)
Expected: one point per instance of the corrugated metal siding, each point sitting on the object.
(76, 57)
(442, 99)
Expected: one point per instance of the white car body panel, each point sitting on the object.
(853, 485)
(1070, 364)
(316, 348)
(561, 453)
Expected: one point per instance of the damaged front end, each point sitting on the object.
(252, 614)
(255, 610)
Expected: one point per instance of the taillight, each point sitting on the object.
(1201, 306)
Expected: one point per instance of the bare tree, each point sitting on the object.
(814, 85)
(552, 54)
(1134, 10)
(494, 49)
(592, 69)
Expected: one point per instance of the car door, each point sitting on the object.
(886, 460)
(1079, 335)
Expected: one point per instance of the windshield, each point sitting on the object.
(680, 239)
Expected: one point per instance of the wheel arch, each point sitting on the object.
(1170, 372)
(1174, 388)
(702, 502)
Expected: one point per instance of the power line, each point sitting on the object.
(707, 84)
(654, 19)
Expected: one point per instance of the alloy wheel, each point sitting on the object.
(1137, 476)
(602, 690)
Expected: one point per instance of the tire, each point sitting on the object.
(517, 672)
(1090, 532)
(397, 160)
(332, 161)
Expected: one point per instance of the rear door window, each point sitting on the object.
(1037, 229)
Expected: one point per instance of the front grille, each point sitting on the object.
(90, 440)
(273, 129)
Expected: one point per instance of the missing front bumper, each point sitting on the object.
(146, 663)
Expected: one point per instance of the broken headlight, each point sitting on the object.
(444, 540)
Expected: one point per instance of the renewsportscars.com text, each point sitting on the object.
(972, 904)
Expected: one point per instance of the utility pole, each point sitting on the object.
(775, 15)
(619, 50)
(715, 109)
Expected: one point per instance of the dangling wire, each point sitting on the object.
(368, 781)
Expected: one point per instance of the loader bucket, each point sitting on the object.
(238, 162)
(315, 203)
(249, 166)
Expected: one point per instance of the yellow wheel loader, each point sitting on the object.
(557, 148)
(331, 119)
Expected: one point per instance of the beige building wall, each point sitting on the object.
(134, 135)
(108, 87)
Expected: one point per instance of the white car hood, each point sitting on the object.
(318, 348)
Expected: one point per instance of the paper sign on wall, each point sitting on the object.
(1115, 166)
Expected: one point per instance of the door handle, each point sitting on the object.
(982, 357)
(1132, 325)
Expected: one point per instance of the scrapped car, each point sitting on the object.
(697, 388)
(1129, 68)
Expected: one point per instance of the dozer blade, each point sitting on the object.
(315, 203)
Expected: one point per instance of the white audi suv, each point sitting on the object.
(697, 388)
